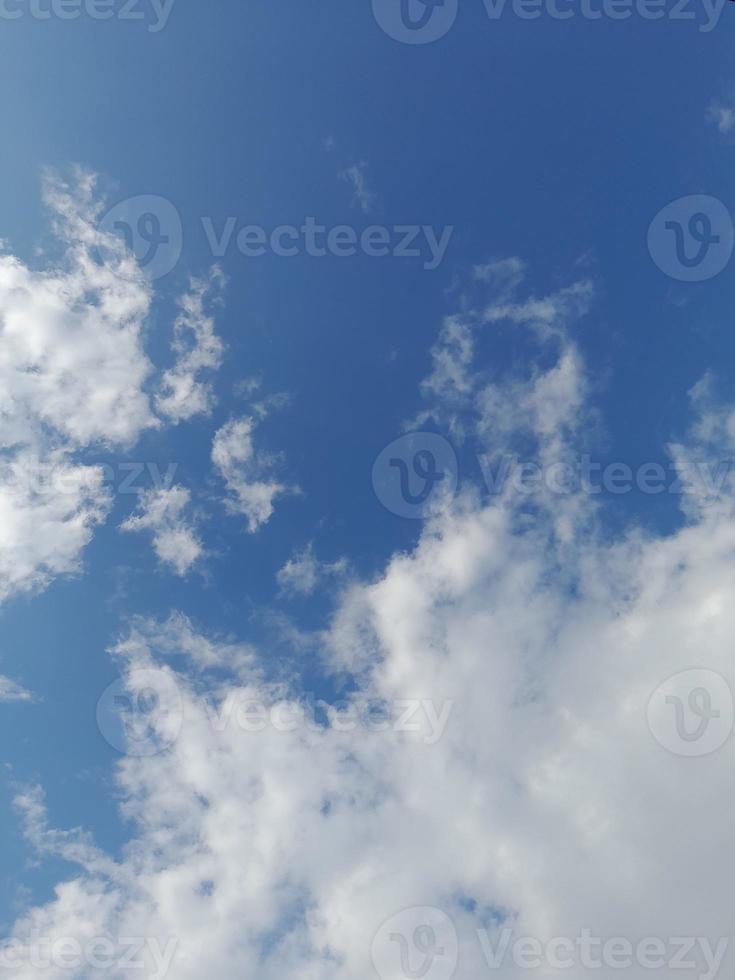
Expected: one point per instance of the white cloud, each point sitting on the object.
(74, 375)
(547, 800)
(303, 572)
(49, 508)
(504, 274)
(177, 637)
(722, 116)
(72, 358)
(175, 539)
(278, 850)
(248, 475)
(544, 399)
(451, 380)
(11, 691)
(198, 349)
(363, 195)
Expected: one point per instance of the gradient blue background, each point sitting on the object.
(547, 139)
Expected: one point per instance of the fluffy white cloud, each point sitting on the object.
(74, 375)
(248, 475)
(165, 514)
(546, 804)
(269, 845)
(48, 510)
(71, 356)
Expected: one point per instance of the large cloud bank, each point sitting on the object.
(495, 769)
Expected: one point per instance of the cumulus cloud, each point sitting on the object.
(546, 804)
(74, 375)
(267, 843)
(72, 353)
(165, 514)
(49, 508)
(248, 474)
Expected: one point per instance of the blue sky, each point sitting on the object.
(551, 144)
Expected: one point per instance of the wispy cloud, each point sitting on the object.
(303, 573)
(363, 195)
(722, 116)
(198, 352)
(10, 691)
